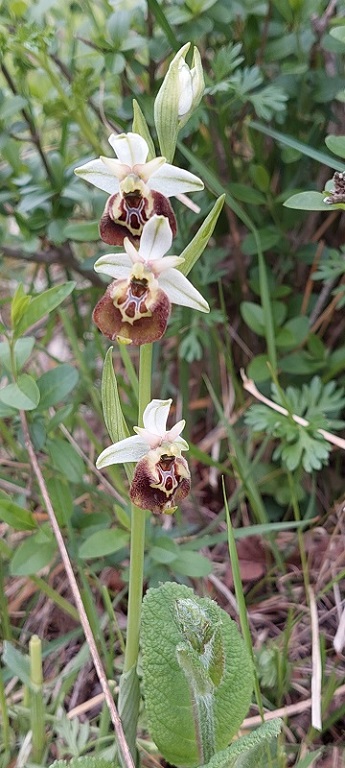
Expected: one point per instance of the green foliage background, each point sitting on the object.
(273, 275)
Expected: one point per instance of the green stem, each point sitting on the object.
(36, 699)
(136, 566)
(5, 624)
(6, 731)
(297, 516)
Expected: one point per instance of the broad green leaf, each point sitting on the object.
(164, 551)
(43, 304)
(15, 516)
(256, 750)
(258, 369)
(17, 663)
(336, 144)
(197, 674)
(102, 543)
(192, 564)
(65, 458)
(6, 412)
(195, 248)
(23, 395)
(253, 315)
(339, 34)
(84, 231)
(309, 201)
(56, 384)
(22, 351)
(32, 555)
(112, 409)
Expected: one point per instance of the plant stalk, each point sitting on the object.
(129, 694)
(36, 699)
(136, 567)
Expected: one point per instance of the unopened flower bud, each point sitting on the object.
(177, 98)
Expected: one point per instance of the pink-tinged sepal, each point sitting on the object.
(160, 482)
(132, 313)
(125, 216)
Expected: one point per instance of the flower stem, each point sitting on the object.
(138, 528)
(36, 699)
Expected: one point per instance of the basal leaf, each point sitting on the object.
(197, 674)
(102, 543)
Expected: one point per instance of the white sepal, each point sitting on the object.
(181, 291)
(130, 449)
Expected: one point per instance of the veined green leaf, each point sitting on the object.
(256, 750)
(197, 674)
(112, 411)
(194, 249)
(41, 305)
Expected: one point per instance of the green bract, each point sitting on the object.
(197, 674)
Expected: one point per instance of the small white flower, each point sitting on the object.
(149, 263)
(131, 171)
(152, 436)
(161, 478)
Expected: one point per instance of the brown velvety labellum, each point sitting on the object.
(125, 216)
(144, 330)
(160, 488)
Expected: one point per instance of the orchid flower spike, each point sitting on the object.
(161, 477)
(136, 306)
(137, 188)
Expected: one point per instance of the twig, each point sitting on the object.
(316, 720)
(288, 711)
(122, 743)
(63, 256)
(31, 125)
(249, 386)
